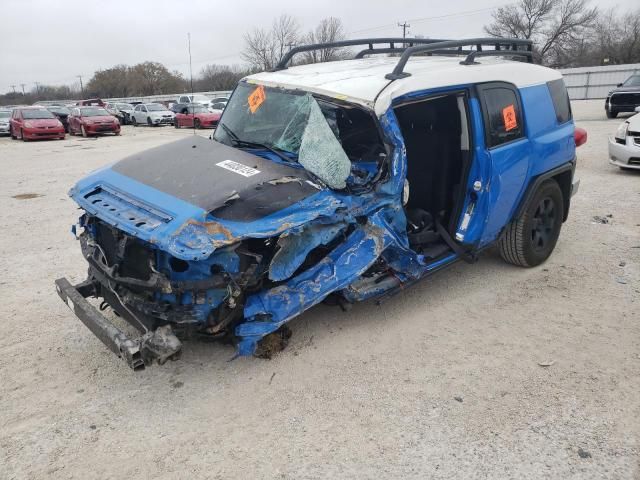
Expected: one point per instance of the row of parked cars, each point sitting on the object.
(94, 116)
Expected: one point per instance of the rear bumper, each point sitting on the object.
(138, 352)
(626, 156)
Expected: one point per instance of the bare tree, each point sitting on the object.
(556, 27)
(219, 77)
(263, 48)
(328, 30)
(617, 38)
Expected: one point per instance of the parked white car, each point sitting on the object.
(624, 145)
(5, 115)
(201, 99)
(152, 114)
(217, 107)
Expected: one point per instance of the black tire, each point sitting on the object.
(149, 122)
(176, 124)
(134, 122)
(529, 240)
(83, 131)
(13, 137)
(22, 136)
(196, 124)
(611, 113)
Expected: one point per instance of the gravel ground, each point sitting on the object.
(442, 381)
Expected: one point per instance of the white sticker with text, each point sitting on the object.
(238, 168)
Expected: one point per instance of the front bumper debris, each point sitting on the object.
(160, 344)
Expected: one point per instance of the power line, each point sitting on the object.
(464, 13)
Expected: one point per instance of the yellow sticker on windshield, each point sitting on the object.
(256, 98)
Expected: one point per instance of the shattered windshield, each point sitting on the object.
(339, 143)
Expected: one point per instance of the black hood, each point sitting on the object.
(230, 183)
(635, 89)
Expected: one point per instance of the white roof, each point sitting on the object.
(363, 80)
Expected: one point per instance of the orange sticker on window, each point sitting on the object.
(256, 98)
(509, 118)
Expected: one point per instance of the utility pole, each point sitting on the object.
(22, 85)
(81, 87)
(404, 27)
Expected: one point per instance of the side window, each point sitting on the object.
(560, 99)
(503, 118)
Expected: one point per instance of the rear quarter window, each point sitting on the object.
(560, 99)
(503, 116)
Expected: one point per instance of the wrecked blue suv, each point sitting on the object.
(338, 181)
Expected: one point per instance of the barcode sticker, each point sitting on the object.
(238, 168)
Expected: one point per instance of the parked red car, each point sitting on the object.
(92, 121)
(196, 116)
(32, 123)
(91, 102)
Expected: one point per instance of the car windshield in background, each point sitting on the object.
(93, 112)
(155, 107)
(35, 114)
(60, 110)
(198, 110)
(124, 106)
(633, 81)
(331, 140)
(5, 114)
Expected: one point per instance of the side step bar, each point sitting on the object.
(160, 344)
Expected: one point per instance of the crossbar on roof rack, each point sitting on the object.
(511, 45)
(392, 41)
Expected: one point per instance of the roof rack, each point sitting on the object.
(511, 49)
(409, 47)
(392, 41)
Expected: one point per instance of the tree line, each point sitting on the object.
(566, 33)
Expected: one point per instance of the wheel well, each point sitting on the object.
(563, 175)
(564, 180)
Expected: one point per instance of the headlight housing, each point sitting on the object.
(28, 125)
(621, 132)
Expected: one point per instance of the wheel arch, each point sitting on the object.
(563, 175)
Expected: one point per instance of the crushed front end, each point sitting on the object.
(164, 297)
(232, 238)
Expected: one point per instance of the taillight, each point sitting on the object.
(580, 136)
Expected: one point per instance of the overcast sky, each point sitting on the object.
(53, 41)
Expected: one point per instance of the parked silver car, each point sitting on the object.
(5, 115)
(624, 145)
(152, 114)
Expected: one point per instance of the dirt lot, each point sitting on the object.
(442, 381)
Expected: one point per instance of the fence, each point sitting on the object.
(148, 99)
(595, 82)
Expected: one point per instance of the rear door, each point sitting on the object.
(509, 154)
